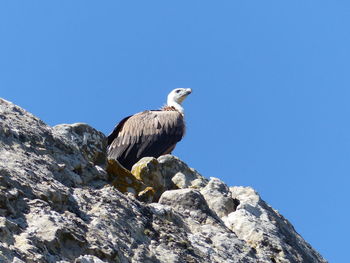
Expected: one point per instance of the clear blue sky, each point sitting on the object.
(270, 79)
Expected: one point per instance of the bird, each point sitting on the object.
(150, 133)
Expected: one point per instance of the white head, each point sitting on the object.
(176, 97)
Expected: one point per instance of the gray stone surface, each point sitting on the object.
(57, 205)
(180, 174)
(268, 232)
(219, 198)
(166, 173)
(206, 232)
(90, 142)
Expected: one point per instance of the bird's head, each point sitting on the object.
(177, 96)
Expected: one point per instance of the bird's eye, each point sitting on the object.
(178, 91)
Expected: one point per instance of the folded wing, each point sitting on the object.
(149, 133)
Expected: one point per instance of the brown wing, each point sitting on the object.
(149, 133)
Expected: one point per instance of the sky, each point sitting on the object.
(270, 80)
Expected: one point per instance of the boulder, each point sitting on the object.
(166, 173)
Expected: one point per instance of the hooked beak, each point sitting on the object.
(184, 94)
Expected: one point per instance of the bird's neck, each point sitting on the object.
(176, 105)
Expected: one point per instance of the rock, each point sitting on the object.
(265, 230)
(150, 177)
(179, 173)
(123, 180)
(88, 259)
(59, 204)
(189, 202)
(147, 171)
(219, 197)
(90, 142)
(204, 228)
(166, 173)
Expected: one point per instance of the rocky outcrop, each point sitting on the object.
(58, 203)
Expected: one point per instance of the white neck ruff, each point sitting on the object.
(176, 105)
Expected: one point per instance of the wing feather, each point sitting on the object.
(149, 133)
